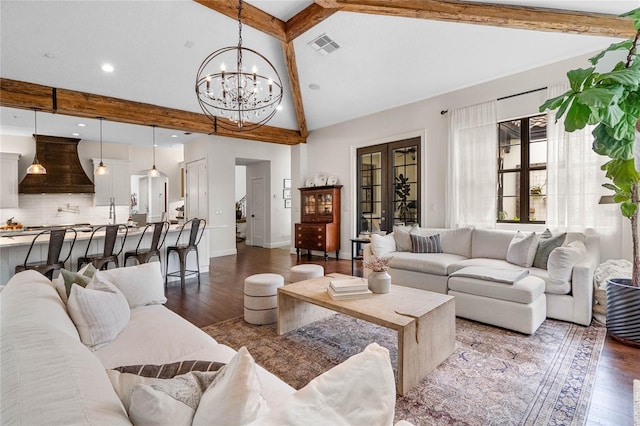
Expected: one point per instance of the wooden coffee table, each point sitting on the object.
(425, 321)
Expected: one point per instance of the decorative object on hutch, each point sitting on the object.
(244, 100)
(319, 227)
(36, 168)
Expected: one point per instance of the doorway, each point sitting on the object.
(257, 208)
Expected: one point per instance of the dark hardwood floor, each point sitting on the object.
(220, 297)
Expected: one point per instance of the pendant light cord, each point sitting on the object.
(154, 147)
(101, 141)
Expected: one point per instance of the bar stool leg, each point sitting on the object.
(198, 265)
(183, 265)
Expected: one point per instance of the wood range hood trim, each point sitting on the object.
(65, 174)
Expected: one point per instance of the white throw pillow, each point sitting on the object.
(402, 236)
(561, 262)
(100, 312)
(383, 244)
(360, 391)
(235, 396)
(522, 249)
(141, 284)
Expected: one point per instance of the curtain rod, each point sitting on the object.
(444, 111)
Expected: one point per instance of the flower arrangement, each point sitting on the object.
(377, 263)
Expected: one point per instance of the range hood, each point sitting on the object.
(64, 171)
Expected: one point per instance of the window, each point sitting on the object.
(522, 170)
(389, 185)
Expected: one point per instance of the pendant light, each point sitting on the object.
(153, 172)
(36, 168)
(101, 169)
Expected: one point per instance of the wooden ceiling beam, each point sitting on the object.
(307, 19)
(507, 16)
(294, 83)
(251, 16)
(23, 95)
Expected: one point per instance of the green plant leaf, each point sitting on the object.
(610, 186)
(578, 77)
(577, 117)
(623, 45)
(629, 77)
(622, 173)
(601, 97)
(611, 116)
(554, 103)
(635, 15)
(605, 144)
(628, 208)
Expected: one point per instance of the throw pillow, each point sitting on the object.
(360, 391)
(522, 249)
(431, 244)
(67, 278)
(401, 235)
(561, 262)
(169, 371)
(141, 284)
(168, 401)
(235, 396)
(382, 245)
(546, 244)
(100, 312)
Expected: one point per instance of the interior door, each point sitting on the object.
(257, 209)
(196, 202)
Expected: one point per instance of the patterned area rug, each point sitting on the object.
(495, 376)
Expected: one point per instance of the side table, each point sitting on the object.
(356, 246)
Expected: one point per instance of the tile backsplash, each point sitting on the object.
(42, 209)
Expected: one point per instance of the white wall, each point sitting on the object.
(332, 149)
(241, 182)
(41, 209)
(221, 154)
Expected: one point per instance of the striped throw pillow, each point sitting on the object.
(169, 371)
(431, 244)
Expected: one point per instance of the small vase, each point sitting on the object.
(379, 282)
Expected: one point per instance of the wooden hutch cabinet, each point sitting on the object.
(320, 220)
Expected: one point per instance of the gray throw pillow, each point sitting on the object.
(546, 244)
(420, 244)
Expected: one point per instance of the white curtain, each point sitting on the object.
(575, 180)
(471, 183)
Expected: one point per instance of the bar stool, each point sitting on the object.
(157, 240)
(196, 227)
(102, 260)
(56, 241)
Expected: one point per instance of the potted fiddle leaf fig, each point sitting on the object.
(610, 100)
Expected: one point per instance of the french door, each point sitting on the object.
(388, 185)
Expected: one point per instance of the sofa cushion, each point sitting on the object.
(100, 312)
(481, 261)
(235, 395)
(360, 391)
(560, 266)
(141, 284)
(490, 243)
(454, 241)
(402, 236)
(382, 245)
(30, 298)
(430, 244)
(546, 243)
(522, 249)
(432, 263)
(525, 290)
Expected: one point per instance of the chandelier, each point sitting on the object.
(245, 100)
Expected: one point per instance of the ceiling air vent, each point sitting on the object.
(324, 45)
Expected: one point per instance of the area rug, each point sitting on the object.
(495, 376)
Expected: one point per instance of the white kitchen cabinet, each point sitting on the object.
(8, 180)
(117, 184)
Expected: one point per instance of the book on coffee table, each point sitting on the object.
(349, 285)
(344, 295)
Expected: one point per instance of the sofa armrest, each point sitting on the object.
(582, 281)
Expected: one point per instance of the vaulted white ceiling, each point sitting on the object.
(157, 46)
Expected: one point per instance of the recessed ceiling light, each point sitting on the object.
(314, 86)
(107, 68)
(155, 144)
(49, 55)
(82, 125)
(75, 134)
(174, 136)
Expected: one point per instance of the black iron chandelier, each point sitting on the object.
(245, 100)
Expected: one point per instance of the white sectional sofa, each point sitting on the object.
(49, 376)
(564, 291)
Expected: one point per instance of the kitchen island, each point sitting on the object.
(14, 246)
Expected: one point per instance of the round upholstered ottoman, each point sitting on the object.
(261, 298)
(305, 272)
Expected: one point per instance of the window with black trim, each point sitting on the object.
(522, 170)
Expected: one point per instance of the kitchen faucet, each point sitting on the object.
(112, 209)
